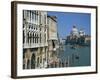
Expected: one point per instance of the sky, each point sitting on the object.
(66, 20)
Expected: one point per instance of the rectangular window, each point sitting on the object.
(23, 37)
(40, 37)
(44, 37)
(33, 37)
(40, 19)
(30, 15)
(45, 19)
(23, 14)
(27, 13)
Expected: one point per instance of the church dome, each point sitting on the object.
(74, 31)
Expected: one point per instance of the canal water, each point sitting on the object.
(76, 56)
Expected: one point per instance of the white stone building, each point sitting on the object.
(74, 32)
(34, 39)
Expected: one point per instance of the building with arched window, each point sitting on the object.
(34, 38)
(52, 40)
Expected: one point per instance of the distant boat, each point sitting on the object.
(72, 47)
(77, 56)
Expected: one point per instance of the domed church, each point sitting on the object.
(74, 31)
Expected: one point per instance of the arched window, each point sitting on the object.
(33, 61)
(37, 38)
(33, 37)
(28, 37)
(38, 62)
(23, 37)
(40, 37)
(29, 26)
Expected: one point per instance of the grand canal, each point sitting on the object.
(75, 56)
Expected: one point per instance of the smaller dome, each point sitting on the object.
(81, 33)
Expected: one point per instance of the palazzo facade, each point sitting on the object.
(35, 44)
(40, 40)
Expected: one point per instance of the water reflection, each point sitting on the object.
(75, 55)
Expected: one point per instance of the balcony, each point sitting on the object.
(34, 45)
